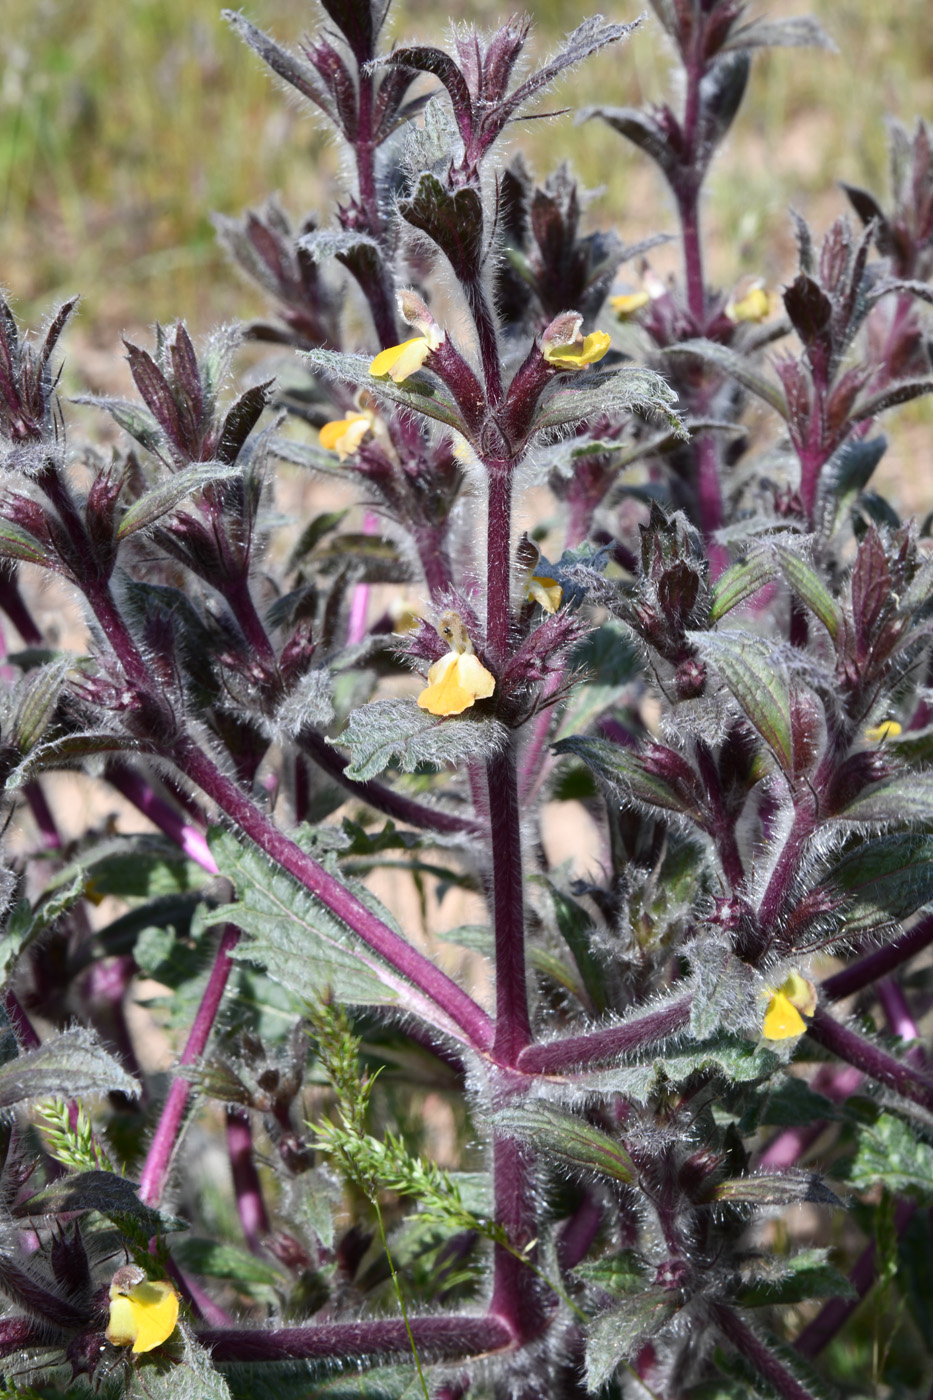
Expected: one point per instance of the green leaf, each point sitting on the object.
(71, 1065)
(617, 1335)
(731, 1058)
(886, 879)
(890, 1154)
(182, 1370)
(301, 944)
(141, 866)
(794, 1103)
(212, 1259)
(68, 751)
(775, 1189)
(623, 391)
(568, 1139)
(794, 1280)
(811, 589)
(576, 928)
(397, 730)
(420, 393)
(620, 1274)
(750, 670)
(624, 768)
(725, 993)
(905, 798)
(165, 497)
(740, 581)
(17, 543)
(105, 1192)
(719, 357)
(26, 924)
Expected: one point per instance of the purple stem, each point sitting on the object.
(22, 1026)
(861, 1053)
(437, 1338)
(200, 1302)
(837, 1311)
(458, 1006)
(489, 353)
(359, 607)
(516, 1295)
(579, 1232)
(879, 963)
(498, 562)
(761, 1357)
(137, 790)
(513, 1025)
(42, 815)
(12, 603)
(246, 1185)
(384, 799)
(579, 1052)
(899, 1016)
(158, 1159)
(533, 750)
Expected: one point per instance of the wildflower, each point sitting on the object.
(787, 1006)
(344, 435)
(143, 1314)
(459, 678)
(400, 361)
(580, 351)
(749, 302)
(626, 304)
(877, 733)
(546, 591)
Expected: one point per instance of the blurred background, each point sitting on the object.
(123, 127)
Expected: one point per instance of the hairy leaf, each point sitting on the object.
(419, 393)
(721, 358)
(749, 669)
(101, 1191)
(568, 1139)
(740, 581)
(890, 1154)
(886, 880)
(72, 1064)
(398, 731)
(617, 1335)
(795, 1279)
(811, 589)
(164, 498)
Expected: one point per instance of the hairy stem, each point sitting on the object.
(513, 1026)
(460, 1008)
(879, 963)
(499, 562)
(762, 1359)
(516, 1295)
(158, 1159)
(247, 1187)
(863, 1055)
(579, 1052)
(449, 1338)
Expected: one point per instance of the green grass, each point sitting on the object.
(123, 126)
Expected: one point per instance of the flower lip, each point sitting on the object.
(344, 435)
(576, 353)
(142, 1314)
(459, 679)
(787, 1007)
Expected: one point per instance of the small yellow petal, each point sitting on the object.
(628, 303)
(877, 733)
(455, 683)
(345, 435)
(578, 353)
(545, 591)
(782, 1019)
(399, 361)
(143, 1315)
(753, 305)
(800, 992)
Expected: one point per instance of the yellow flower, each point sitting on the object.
(344, 435)
(399, 361)
(787, 1006)
(459, 678)
(578, 352)
(143, 1314)
(546, 591)
(628, 303)
(749, 302)
(877, 733)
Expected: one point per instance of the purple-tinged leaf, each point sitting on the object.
(901, 392)
(295, 71)
(638, 127)
(755, 678)
(164, 498)
(795, 1279)
(17, 543)
(569, 1139)
(188, 388)
(885, 880)
(452, 219)
(359, 21)
(902, 799)
(157, 395)
(721, 358)
(425, 59)
(871, 589)
(70, 1064)
(588, 38)
(659, 777)
(775, 1189)
(419, 393)
(802, 31)
(240, 421)
(113, 1196)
